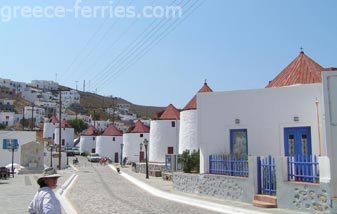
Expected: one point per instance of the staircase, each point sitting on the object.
(265, 201)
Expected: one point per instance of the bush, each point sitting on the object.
(190, 161)
(2, 126)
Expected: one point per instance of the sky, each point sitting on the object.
(149, 59)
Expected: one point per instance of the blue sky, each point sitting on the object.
(233, 44)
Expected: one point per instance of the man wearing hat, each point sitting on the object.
(45, 200)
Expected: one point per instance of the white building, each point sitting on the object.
(188, 123)
(109, 143)
(164, 134)
(49, 128)
(7, 118)
(44, 84)
(67, 134)
(87, 142)
(70, 97)
(34, 112)
(132, 140)
(13, 86)
(23, 137)
(100, 125)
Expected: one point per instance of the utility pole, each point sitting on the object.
(60, 122)
(32, 120)
(23, 119)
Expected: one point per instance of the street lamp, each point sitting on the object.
(122, 145)
(50, 148)
(140, 152)
(146, 143)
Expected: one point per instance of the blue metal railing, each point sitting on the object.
(233, 165)
(266, 175)
(303, 168)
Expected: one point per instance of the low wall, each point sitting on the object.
(141, 167)
(220, 186)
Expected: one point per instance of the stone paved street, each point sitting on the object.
(98, 189)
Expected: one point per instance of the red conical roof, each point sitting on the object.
(112, 131)
(139, 127)
(64, 124)
(90, 131)
(53, 119)
(192, 104)
(302, 70)
(170, 113)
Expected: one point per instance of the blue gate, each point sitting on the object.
(266, 176)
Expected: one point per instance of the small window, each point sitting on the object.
(63, 142)
(93, 138)
(170, 150)
(173, 124)
(141, 135)
(113, 139)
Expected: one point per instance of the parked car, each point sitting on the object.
(94, 157)
(70, 152)
(76, 150)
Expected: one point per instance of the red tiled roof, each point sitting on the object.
(53, 119)
(302, 70)
(90, 131)
(112, 131)
(192, 104)
(139, 127)
(64, 124)
(170, 113)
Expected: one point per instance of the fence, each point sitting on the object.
(303, 168)
(233, 165)
(266, 175)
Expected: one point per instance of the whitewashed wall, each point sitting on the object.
(49, 129)
(188, 131)
(330, 101)
(87, 143)
(67, 134)
(162, 136)
(132, 145)
(105, 146)
(264, 113)
(23, 138)
(4, 120)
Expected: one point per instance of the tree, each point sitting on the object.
(2, 126)
(190, 161)
(78, 125)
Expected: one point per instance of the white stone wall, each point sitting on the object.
(67, 134)
(132, 145)
(188, 131)
(264, 113)
(87, 143)
(162, 136)
(23, 137)
(107, 147)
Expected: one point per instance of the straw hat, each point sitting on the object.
(48, 173)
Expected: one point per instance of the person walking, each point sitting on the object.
(45, 201)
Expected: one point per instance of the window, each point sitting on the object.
(113, 139)
(173, 124)
(141, 135)
(170, 150)
(93, 138)
(238, 141)
(63, 142)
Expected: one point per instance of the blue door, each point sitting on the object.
(297, 141)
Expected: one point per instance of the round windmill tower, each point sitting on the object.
(188, 123)
(164, 134)
(88, 140)
(132, 140)
(49, 128)
(109, 143)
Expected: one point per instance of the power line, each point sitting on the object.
(138, 41)
(158, 38)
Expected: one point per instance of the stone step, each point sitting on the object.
(265, 201)
(263, 204)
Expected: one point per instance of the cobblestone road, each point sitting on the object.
(98, 189)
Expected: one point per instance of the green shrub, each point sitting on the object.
(190, 161)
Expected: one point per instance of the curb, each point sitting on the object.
(187, 200)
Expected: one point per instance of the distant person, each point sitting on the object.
(45, 200)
